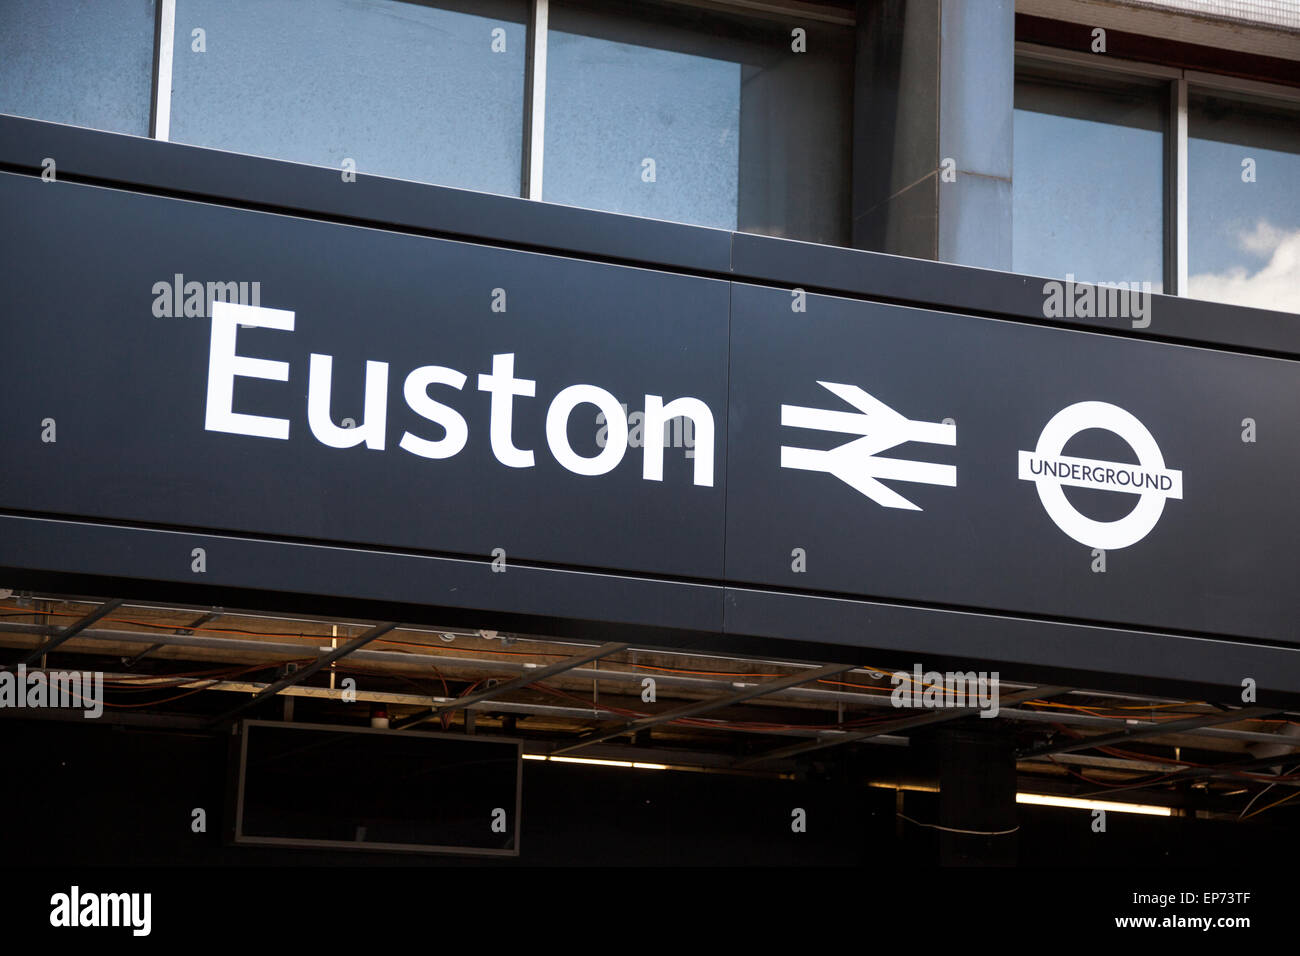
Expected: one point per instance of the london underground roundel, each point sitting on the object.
(1149, 480)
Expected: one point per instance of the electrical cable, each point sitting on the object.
(935, 826)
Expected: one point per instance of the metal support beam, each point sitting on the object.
(72, 630)
(523, 680)
(834, 739)
(1137, 733)
(618, 728)
(504, 707)
(180, 632)
(129, 662)
(1198, 773)
(421, 662)
(894, 726)
(379, 630)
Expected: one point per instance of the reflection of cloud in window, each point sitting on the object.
(1274, 285)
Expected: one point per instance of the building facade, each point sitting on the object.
(884, 411)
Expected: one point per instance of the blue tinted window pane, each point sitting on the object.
(688, 126)
(700, 117)
(413, 91)
(1088, 181)
(1243, 204)
(81, 62)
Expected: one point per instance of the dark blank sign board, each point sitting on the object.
(418, 792)
(858, 449)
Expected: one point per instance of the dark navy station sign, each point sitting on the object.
(397, 391)
(977, 463)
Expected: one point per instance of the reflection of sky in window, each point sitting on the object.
(1087, 199)
(403, 89)
(611, 105)
(88, 64)
(1243, 238)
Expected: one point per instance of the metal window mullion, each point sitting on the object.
(1180, 186)
(535, 128)
(162, 93)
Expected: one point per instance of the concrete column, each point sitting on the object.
(934, 81)
(976, 772)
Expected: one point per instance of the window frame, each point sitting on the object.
(535, 70)
(535, 80)
(1179, 81)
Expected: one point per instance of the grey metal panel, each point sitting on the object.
(984, 291)
(195, 171)
(1075, 653)
(228, 178)
(338, 574)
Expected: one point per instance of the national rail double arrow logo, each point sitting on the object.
(881, 428)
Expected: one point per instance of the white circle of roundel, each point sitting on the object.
(1106, 535)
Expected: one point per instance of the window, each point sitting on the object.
(694, 116)
(1088, 181)
(672, 110)
(1101, 189)
(432, 93)
(1243, 203)
(85, 64)
(677, 110)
